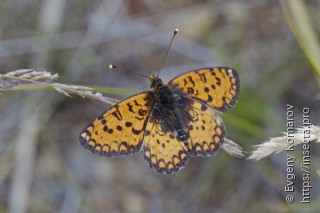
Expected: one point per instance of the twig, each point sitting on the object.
(16, 79)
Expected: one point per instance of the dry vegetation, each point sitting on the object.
(44, 169)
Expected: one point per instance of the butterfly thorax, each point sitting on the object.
(163, 93)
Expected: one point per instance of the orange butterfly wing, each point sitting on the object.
(162, 150)
(218, 87)
(206, 131)
(119, 131)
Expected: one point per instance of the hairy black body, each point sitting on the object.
(170, 108)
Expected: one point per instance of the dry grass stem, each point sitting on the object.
(17, 79)
(232, 148)
(275, 145)
(33, 75)
(82, 91)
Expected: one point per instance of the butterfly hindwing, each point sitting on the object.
(119, 131)
(218, 87)
(206, 131)
(162, 149)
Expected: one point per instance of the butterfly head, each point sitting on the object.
(155, 82)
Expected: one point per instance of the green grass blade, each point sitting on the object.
(298, 19)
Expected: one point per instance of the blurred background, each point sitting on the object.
(272, 44)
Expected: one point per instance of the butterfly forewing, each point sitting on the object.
(218, 87)
(119, 131)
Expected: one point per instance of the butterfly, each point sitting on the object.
(170, 123)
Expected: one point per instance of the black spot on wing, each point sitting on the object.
(130, 107)
(119, 128)
(203, 77)
(117, 113)
(136, 132)
(142, 112)
(191, 80)
(136, 103)
(139, 118)
(128, 124)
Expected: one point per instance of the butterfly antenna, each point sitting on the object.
(112, 66)
(165, 56)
